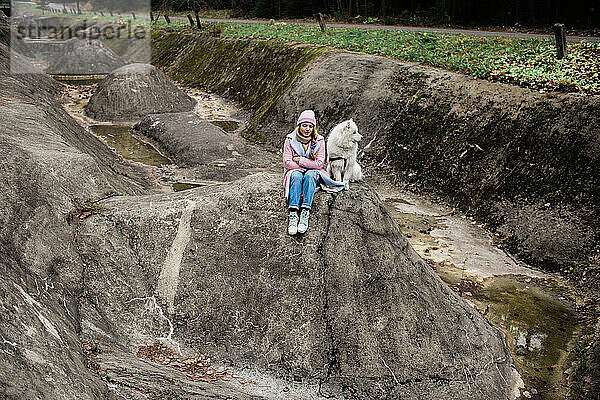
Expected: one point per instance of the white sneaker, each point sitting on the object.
(303, 224)
(293, 224)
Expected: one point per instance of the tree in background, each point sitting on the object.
(534, 13)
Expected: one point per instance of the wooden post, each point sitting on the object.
(191, 21)
(198, 19)
(322, 22)
(167, 19)
(151, 17)
(561, 40)
(133, 14)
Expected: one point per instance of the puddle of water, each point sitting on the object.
(227, 126)
(538, 327)
(212, 107)
(181, 186)
(128, 146)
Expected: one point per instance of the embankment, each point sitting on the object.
(526, 163)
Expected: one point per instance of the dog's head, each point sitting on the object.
(352, 130)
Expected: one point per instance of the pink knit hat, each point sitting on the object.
(307, 116)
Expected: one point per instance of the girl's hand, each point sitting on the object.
(296, 160)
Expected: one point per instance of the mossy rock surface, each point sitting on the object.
(135, 90)
(254, 73)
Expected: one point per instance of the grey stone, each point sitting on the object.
(546, 144)
(349, 305)
(211, 153)
(135, 90)
(46, 160)
(84, 57)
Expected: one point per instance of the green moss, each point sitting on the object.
(475, 163)
(254, 73)
(227, 126)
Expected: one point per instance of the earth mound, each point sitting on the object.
(349, 305)
(136, 90)
(211, 152)
(84, 57)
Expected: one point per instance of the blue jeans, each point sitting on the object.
(302, 184)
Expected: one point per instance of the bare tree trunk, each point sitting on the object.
(167, 18)
(191, 21)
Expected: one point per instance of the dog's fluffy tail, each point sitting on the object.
(357, 173)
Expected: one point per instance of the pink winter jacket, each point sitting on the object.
(305, 163)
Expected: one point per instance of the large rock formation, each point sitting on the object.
(526, 163)
(135, 90)
(349, 305)
(47, 161)
(210, 152)
(83, 57)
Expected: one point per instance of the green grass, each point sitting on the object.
(524, 62)
(124, 18)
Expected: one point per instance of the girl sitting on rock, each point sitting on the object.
(304, 163)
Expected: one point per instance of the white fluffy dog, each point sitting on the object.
(342, 147)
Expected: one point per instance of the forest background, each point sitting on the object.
(576, 14)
